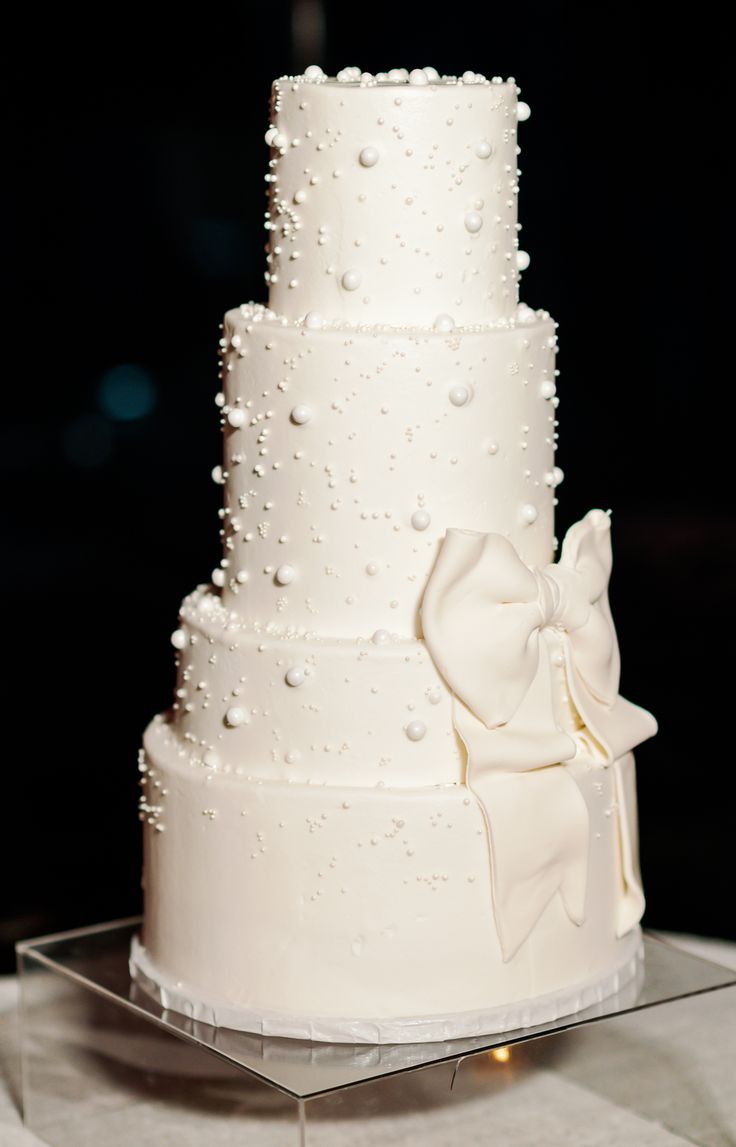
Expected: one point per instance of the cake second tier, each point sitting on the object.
(349, 453)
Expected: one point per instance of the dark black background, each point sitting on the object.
(136, 202)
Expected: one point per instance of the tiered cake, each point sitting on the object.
(394, 798)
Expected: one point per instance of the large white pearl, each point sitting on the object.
(313, 320)
(301, 414)
(241, 577)
(523, 259)
(178, 639)
(459, 395)
(473, 222)
(432, 74)
(444, 323)
(369, 156)
(418, 76)
(218, 577)
(294, 676)
(420, 519)
(236, 417)
(523, 111)
(483, 149)
(548, 388)
(381, 637)
(529, 513)
(235, 716)
(285, 574)
(351, 280)
(415, 730)
(313, 72)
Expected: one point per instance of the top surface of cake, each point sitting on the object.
(393, 198)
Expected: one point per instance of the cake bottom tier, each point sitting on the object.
(358, 915)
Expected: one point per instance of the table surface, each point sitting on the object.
(659, 1078)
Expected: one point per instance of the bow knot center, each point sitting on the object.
(561, 598)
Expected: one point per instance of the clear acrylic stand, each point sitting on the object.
(104, 1065)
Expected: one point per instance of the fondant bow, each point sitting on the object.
(532, 659)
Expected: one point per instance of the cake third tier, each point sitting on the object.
(349, 453)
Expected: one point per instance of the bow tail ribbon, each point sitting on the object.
(529, 814)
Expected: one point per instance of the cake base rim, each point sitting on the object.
(400, 1030)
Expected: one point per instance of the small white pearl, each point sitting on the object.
(369, 156)
(294, 676)
(285, 574)
(523, 111)
(236, 417)
(444, 323)
(523, 259)
(529, 513)
(381, 637)
(235, 716)
(483, 149)
(418, 77)
(351, 280)
(300, 414)
(473, 222)
(415, 730)
(558, 475)
(178, 639)
(313, 320)
(292, 757)
(558, 658)
(217, 476)
(434, 696)
(420, 519)
(548, 388)
(372, 569)
(279, 140)
(432, 74)
(211, 759)
(300, 196)
(313, 72)
(218, 577)
(241, 577)
(459, 395)
(493, 447)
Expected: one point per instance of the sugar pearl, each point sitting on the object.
(218, 577)
(236, 417)
(483, 149)
(241, 577)
(235, 716)
(381, 637)
(372, 569)
(444, 323)
(420, 519)
(369, 156)
(285, 574)
(523, 259)
(418, 77)
(313, 320)
(294, 676)
(211, 759)
(459, 395)
(313, 72)
(529, 513)
(523, 111)
(178, 639)
(548, 388)
(301, 414)
(473, 221)
(351, 280)
(415, 730)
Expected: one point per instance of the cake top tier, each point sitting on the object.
(393, 198)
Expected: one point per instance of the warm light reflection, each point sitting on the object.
(501, 1054)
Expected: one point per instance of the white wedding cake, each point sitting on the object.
(394, 799)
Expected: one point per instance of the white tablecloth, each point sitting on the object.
(661, 1078)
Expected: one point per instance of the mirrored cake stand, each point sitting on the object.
(103, 1064)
